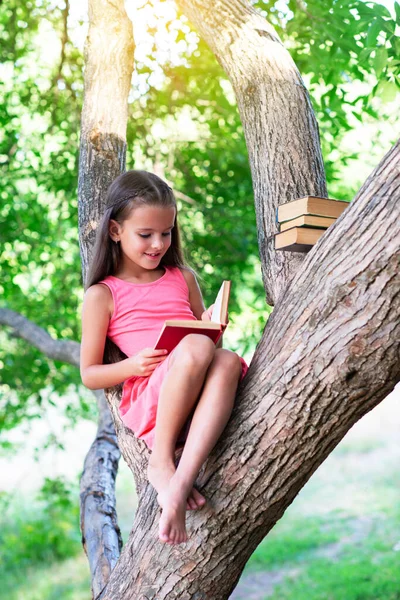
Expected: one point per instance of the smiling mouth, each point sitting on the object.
(153, 255)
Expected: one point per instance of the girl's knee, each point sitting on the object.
(229, 361)
(196, 348)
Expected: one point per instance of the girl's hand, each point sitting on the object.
(144, 362)
(206, 316)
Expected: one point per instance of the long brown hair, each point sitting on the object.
(128, 191)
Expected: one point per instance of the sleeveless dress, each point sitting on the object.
(140, 310)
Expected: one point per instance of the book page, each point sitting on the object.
(220, 310)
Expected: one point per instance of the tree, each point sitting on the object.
(329, 351)
(256, 401)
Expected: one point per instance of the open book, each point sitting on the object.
(174, 331)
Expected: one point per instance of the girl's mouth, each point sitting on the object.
(153, 256)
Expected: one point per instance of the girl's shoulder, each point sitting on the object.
(189, 275)
(99, 297)
(191, 281)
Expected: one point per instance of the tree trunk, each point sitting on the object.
(329, 354)
(278, 120)
(108, 73)
(310, 378)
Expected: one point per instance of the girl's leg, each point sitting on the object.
(209, 420)
(179, 393)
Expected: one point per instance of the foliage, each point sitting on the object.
(39, 118)
(44, 532)
(348, 51)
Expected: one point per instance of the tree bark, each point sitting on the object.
(329, 354)
(101, 536)
(108, 73)
(278, 120)
(64, 350)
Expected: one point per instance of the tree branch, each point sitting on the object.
(63, 350)
(101, 535)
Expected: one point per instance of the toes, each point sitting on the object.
(191, 503)
(198, 498)
(164, 532)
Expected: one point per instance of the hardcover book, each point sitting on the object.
(310, 205)
(174, 331)
(308, 221)
(297, 239)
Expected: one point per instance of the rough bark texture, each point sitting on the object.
(109, 65)
(101, 536)
(329, 354)
(279, 124)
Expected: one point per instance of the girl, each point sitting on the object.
(137, 279)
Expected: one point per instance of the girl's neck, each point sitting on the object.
(147, 275)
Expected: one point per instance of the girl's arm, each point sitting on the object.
(96, 314)
(195, 297)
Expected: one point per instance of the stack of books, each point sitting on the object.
(303, 221)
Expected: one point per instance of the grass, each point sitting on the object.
(66, 580)
(293, 540)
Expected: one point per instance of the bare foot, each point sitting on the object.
(159, 477)
(172, 528)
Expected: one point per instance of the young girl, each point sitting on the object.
(137, 279)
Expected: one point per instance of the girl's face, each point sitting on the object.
(145, 236)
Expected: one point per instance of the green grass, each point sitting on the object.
(292, 540)
(35, 535)
(360, 574)
(66, 580)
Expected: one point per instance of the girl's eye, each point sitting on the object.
(147, 235)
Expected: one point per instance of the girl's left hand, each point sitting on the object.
(206, 316)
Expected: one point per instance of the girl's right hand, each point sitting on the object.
(144, 362)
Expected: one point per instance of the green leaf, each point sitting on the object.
(397, 9)
(387, 91)
(373, 31)
(380, 60)
(364, 55)
(382, 10)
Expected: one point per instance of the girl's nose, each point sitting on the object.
(158, 244)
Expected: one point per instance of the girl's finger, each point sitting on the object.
(155, 360)
(150, 352)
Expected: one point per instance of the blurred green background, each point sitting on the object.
(184, 125)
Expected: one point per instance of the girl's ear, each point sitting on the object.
(114, 230)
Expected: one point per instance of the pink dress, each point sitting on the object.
(140, 310)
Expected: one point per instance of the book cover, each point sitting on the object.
(311, 205)
(298, 239)
(174, 331)
(308, 221)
